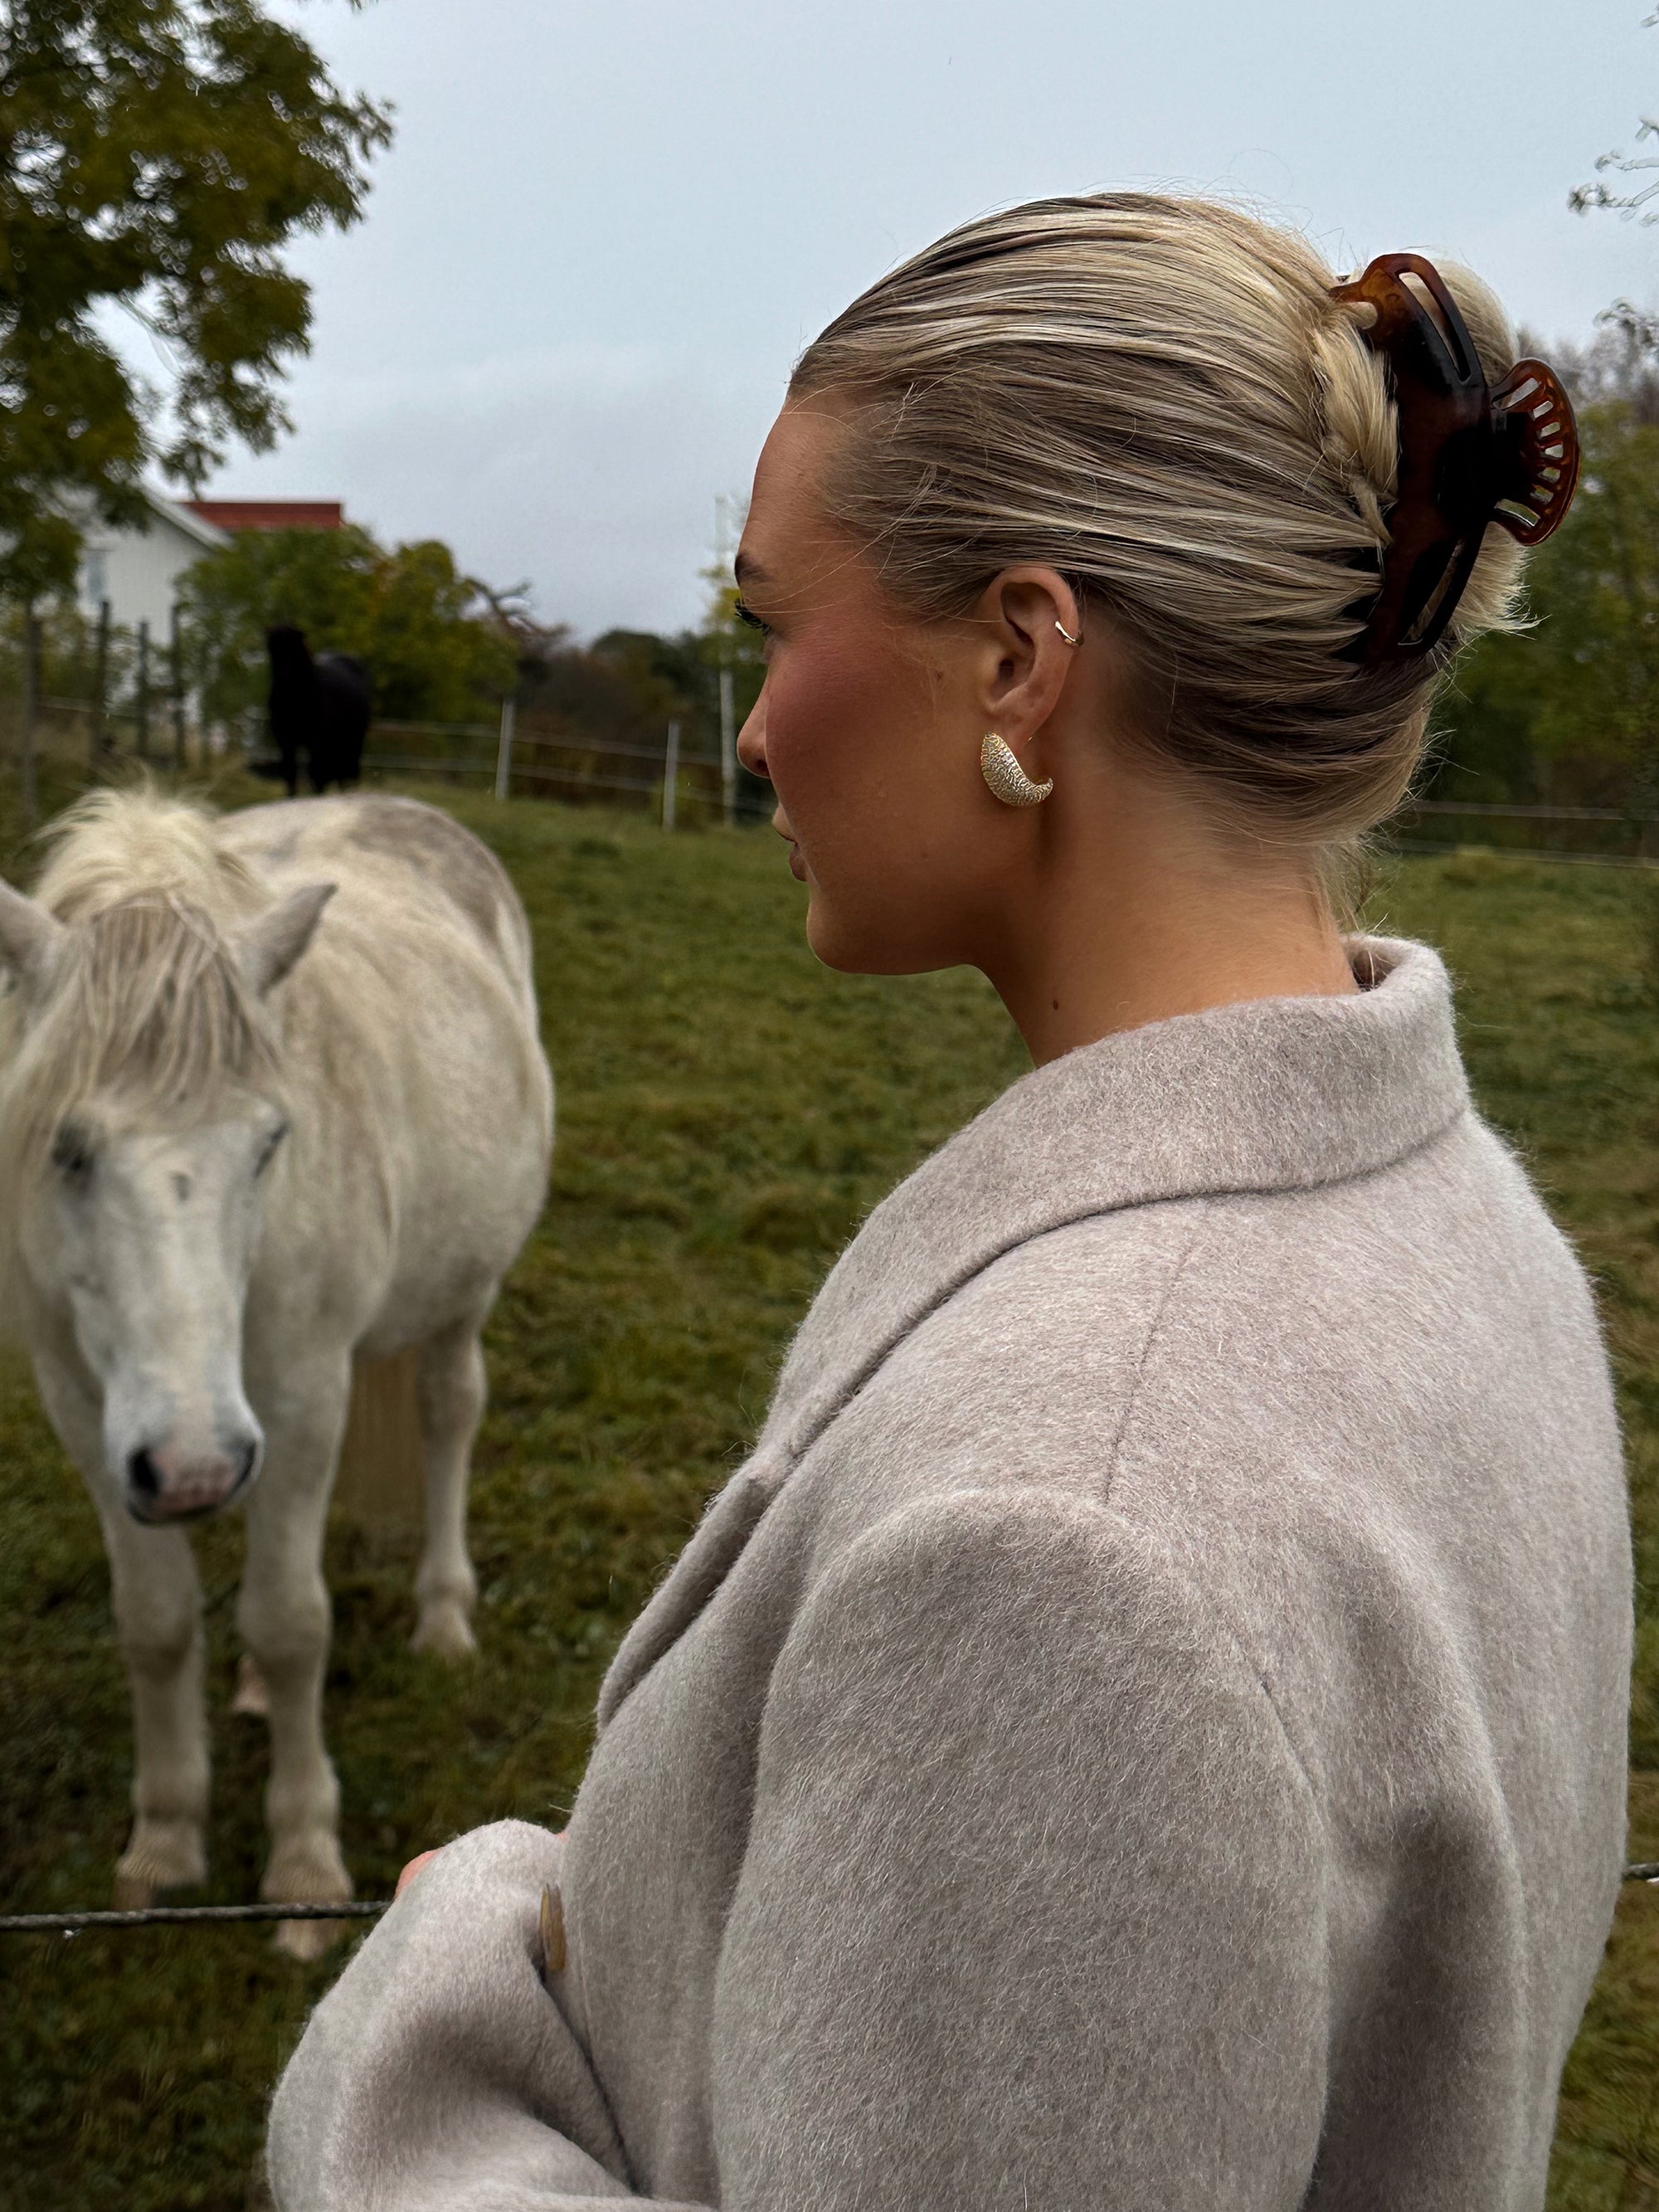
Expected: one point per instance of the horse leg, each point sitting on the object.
(158, 1620)
(251, 1697)
(452, 1401)
(283, 1616)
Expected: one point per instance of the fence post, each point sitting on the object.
(728, 751)
(176, 681)
(141, 734)
(671, 773)
(31, 710)
(100, 739)
(504, 748)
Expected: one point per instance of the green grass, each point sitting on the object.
(727, 1113)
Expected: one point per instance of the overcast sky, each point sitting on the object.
(605, 231)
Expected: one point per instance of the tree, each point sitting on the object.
(679, 676)
(427, 634)
(1620, 367)
(1573, 703)
(1596, 668)
(156, 156)
(1635, 201)
(625, 688)
(434, 653)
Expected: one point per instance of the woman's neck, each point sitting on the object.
(1111, 931)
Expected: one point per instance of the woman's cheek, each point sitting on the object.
(829, 718)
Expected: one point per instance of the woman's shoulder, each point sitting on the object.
(1383, 1367)
(1279, 1305)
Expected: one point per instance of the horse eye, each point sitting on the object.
(71, 1151)
(269, 1151)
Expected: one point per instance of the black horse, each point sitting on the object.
(320, 707)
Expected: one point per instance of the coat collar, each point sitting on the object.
(1279, 1094)
(1275, 1094)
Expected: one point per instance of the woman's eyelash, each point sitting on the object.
(746, 614)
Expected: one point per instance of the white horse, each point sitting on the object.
(225, 1170)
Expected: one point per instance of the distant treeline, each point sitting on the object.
(1564, 714)
(441, 647)
(1567, 713)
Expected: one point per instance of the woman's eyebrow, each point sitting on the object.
(748, 570)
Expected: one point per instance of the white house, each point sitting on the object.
(138, 571)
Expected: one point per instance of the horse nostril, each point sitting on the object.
(141, 1477)
(246, 1456)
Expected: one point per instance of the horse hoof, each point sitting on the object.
(160, 1855)
(306, 1940)
(308, 1870)
(252, 1695)
(444, 1629)
(322, 1881)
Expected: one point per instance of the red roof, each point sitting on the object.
(269, 513)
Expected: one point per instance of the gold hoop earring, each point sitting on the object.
(1067, 635)
(1006, 778)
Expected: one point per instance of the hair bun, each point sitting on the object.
(1468, 456)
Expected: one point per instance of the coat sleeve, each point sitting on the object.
(438, 2075)
(1031, 1917)
(1032, 1913)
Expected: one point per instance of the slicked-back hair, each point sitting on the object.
(1158, 398)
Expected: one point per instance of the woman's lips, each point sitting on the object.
(797, 865)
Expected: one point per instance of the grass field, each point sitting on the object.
(727, 1113)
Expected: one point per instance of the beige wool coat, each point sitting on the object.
(1144, 1729)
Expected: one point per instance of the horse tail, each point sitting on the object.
(379, 1483)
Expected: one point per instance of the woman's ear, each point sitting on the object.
(1032, 630)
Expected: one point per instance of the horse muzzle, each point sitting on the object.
(166, 1485)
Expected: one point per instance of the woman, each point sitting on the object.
(1145, 1727)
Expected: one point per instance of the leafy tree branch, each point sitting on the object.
(156, 155)
(1634, 201)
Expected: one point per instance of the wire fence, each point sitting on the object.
(196, 1916)
(518, 756)
(184, 1916)
(540, 757)
(1607, 836)
(680, 780)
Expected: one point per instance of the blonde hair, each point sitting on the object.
(1159, 399)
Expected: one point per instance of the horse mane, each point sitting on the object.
(148, 1005)
(117, 845)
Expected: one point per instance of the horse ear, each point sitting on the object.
(268, 948)
(29, 939)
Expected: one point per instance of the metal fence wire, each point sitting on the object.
(184, 1916)
(541, 756)
(684, 778)
(688, 775)
(195, 1915)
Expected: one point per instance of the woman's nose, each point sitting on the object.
(751, 741)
